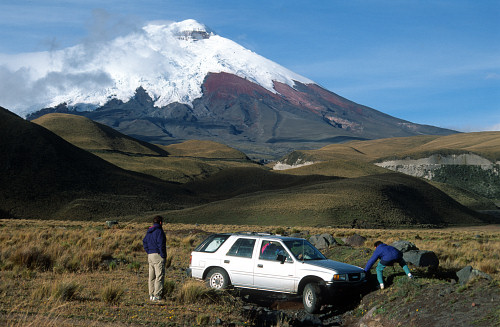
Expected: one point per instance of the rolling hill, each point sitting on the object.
(44, 176)
(48, 177)
(375, 201)
(182, 162)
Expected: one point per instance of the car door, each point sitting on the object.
(238, 262)
(269, 272)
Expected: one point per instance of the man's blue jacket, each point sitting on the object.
(155, 241)
(387, 254)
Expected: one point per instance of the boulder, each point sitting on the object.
(467, 273)
(111, 223)
(421, 258)
(404, 246)
(323, 241)
(355, 240)
(329, 238)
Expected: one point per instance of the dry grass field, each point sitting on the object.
(56, 273)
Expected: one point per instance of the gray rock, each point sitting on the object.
(329, 238)
(355, 240)
(404, 246)
(319, 242)
(468, 273)
(111, 223)
(421, 258)
(323, 241)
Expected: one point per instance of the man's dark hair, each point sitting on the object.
(158, 220)
(377, 243)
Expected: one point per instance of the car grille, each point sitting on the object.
(354, 277)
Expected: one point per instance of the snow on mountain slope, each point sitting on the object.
(170, 61)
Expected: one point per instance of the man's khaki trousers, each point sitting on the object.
(156, 275)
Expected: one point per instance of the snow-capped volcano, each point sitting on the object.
(170, 82)
(169, 60)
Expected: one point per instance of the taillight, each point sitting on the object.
(190, 259)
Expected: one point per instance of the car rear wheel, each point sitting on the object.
(311, 297)
(218, 279)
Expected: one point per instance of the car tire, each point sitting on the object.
(311, 297)
(218, 279)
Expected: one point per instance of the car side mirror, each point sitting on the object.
(281, 258)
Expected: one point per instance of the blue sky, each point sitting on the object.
(430, 62)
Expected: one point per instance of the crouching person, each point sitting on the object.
(155, 245)
(388, 255)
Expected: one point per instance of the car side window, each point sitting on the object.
(243, 247)
(212, 243)
(271, 249)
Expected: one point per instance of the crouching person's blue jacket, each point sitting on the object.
(387, 254)
(155, 241)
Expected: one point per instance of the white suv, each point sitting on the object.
(271, 263)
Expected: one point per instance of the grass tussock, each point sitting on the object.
(193, 291)
(32, 258)
(65, 290)
(112, 294)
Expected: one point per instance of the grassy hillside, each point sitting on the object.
(387, 200)
(43, 176)
(95, 137)
(486, 144)
(220, 184)
(179, 163)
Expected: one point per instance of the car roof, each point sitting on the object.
(262, 235)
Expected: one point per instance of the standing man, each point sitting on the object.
(155, 244)
(388, 256)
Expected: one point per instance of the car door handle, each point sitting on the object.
(226, 261)
(260, 266)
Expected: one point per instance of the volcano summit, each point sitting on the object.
(170, 82)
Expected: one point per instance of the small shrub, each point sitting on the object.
(168, 260)
(188, 241)
(137, 246)
(193, 291)
(112, 294)
(168, 288)
(134, 266)
(488, 267)
(41, 292)
(112, 265)
(280, 231)
(65, 290)
(202, 320)
(32, 258)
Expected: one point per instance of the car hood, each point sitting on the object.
(339, 267)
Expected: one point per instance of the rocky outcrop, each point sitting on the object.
(468, 273)
(426, 167)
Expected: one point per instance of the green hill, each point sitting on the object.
(179, 163)
(44, 176)
(376, 201)
(108, 174)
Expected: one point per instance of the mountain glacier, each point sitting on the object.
(169, 60)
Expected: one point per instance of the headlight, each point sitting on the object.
(363, 275)
(341, 277)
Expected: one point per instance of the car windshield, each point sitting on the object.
(303, 250)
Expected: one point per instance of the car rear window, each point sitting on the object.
(243, 247)
(212, 243)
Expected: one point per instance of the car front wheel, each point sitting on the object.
(311, 297)
(218, 279)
